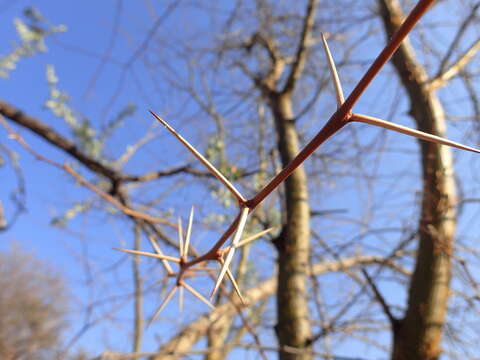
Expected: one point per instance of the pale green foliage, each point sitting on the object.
(58, 100)
(32, 39)
(215, 149)
(58, 103)
(85, 135)
(77, 208)
(88, 138)
(118, 120)
(215, 153)
(214, 218)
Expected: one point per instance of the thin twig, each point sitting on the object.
(380, 298)
(464, 59)
(113, 201)
(82, 181)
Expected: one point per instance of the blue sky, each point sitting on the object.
(100, 90)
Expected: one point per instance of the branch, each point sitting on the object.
(442, 78)
(301, 55)
(342, 115)
(67, 168)
(127, 210)
(47, 133)
(38, 127)
(383, 303)
(184, 169)
(456, 40)
(267, 43)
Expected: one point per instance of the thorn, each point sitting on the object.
(162, 305)
(180, 298)
(411, 132)
(255, 237)
(189, 233)
(334, 73)
(157, 249)
(197, 294)
(236, 238)
(223, 270)
(203, 160)
(180, 236)
(235, 286)
(158, 256)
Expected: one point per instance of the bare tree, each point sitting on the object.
(418, 334)
(33, 304)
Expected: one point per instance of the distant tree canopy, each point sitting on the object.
(33, 304)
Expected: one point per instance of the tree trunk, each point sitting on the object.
(293, 245)
(418, 335)
(138, 293)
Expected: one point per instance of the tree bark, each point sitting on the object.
(419, 333)
(293, 245)
(138, 293)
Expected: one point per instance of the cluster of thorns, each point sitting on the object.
(340, 118)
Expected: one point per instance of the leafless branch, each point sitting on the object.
(442, 78)
(381, 300)
(301, 54)
(456, 39)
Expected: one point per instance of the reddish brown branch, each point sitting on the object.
(342, 115)
(339, 119)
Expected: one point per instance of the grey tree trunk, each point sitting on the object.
(293, 245)
(418, 334)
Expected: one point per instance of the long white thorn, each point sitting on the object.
(180, 298)
(189, 233)
(203, 160)
(255, 237)
(180, 237)
(223, 270)
(197, 294)
(235, 286)
(231, 251)
(163, 304)
(334, 73)
(157, 249)
(411, 132)
(143, 253)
